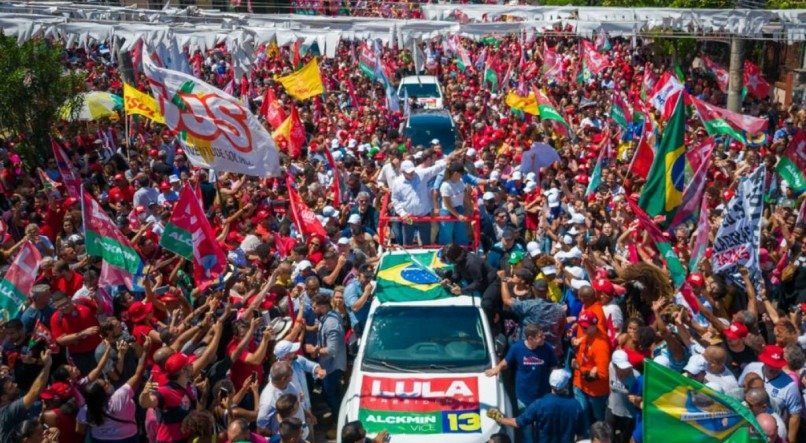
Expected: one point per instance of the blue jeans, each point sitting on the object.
(593, 407)
(525, 434)
(452, 232)
(331, 387)
(409, 232)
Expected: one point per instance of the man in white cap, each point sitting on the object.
(411, 197)
(515, 186)
(556, 417)
(621, 412)
(286, 350)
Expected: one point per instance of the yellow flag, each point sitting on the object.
(283, 132)
(525, 104)
(305, 83)
(140, 103)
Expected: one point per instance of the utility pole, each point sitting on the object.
(736, 71)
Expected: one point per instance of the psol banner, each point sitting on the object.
(737, 240)
(420, 405)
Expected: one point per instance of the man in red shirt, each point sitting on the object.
(76, 328)
(247, 356)
(66, 280)
(174, 400)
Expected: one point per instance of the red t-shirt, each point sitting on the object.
(81, 318)
(175, 403)
(240, 371)
(70, 287)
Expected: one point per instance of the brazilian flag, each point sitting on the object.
(663, 190)
(678, 409)
(410, 276)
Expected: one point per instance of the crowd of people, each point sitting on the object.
(574, 285)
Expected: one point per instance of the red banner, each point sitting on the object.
(419, 394)
(305, 220)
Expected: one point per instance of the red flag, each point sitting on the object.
(70, 178)
(336, 186)
(42, 333)
(271, 109)
(796, 151)
(644, 153)
(19, 279)
(244, 87)
(296, 57)
(189, 223)
(296, 136)
(305, 220)
(721, 74)
(351, 90)
(595, 61)
(754, 82)
(668, 90)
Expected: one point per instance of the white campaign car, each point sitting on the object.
(419, 372)
(425, 88)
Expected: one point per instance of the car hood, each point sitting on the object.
(443, 408)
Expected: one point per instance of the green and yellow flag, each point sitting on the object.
(410, 276)
(663, 190)
(678, 409)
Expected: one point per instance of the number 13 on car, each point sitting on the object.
(459, 421)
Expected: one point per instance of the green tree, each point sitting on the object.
(33, 88)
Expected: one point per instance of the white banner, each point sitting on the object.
(216, 128)
(737, 240)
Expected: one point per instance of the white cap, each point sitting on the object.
(579, 284)
(354, 219)
(559, 379)
(576, 219)
(364, 147)
(478, 164)
(173, 178)
(407, 166)
(696, 365)
(285, 347)
(575, 271)
(533, 248)
(337, 155)
(435, 141)
(517, 175)
(418, 155)
(568, 240)
(531, 186)
(575, 252)
(531, 176)
(352, 143)
(330, 211)
(303, 265)
(620, 359)
(495, 175)
(549, 270)
(488, 196)
(344, 241)
(334, 143)
(573, 231)
(470, 152)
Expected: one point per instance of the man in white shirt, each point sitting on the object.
(280, 382)
(718, 373)
(411, 197)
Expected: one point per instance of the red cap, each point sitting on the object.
(138, 311)
(120, 177)
(736, 331)
(696, 279)
(153, 153)
(773, 356)
(57, 391)
(165, 186)
(70, 201)
(176, 363)
(587, 319)
(582, 179)
(604, 285)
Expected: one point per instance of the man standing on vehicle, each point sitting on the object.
(411, 197)
(557, 417)
(532, 359)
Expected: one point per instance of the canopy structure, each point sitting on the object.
(174, 29)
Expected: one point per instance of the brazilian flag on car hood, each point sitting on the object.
(678, 409)
(410, 276)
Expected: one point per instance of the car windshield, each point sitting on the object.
(426, 339)
(420, 90)
(422, 129)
